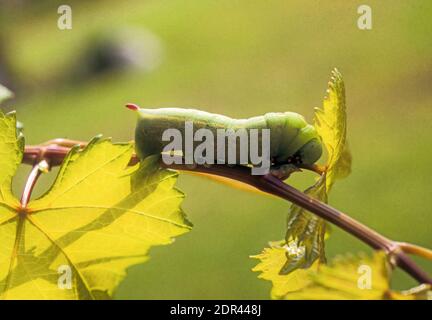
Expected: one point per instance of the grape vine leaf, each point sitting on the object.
(98, 218)
(330, 123)
(359, 277)
(421, 292)
(306, 233)
(11, 151)
(272, 260)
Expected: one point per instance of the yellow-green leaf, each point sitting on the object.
(330, 123)
(272, 260)
(421, 292)
(99, 218)
(11, 149)
(307, 231)
(349, 277)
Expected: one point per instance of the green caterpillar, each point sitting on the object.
(293, 141)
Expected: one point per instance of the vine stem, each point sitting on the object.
(32, 178)
(56, 150)
(415, 249)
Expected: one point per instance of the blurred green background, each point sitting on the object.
(240, 58)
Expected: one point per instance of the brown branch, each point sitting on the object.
(56, 150)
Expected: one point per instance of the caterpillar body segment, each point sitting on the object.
(292, 140)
